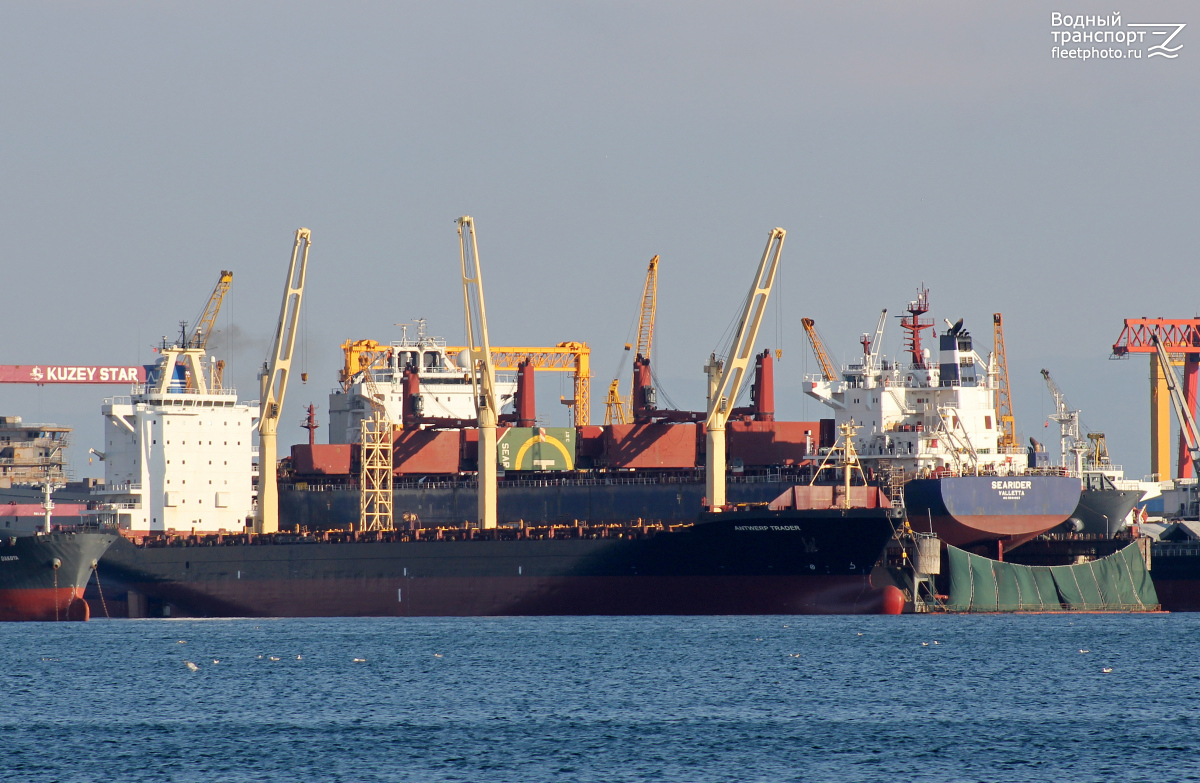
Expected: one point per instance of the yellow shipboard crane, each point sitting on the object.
(810, 328)
(725, 377)
(273, 379)
(366, 356)
(617, 408)
(483, 371)
(1003, 404)
(203, 329)
(207, 319)
(569, 357)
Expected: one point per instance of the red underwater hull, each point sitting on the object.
(966, 531)
(43, 603)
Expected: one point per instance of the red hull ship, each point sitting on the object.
(42, 577)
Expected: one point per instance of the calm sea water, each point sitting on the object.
(603, 699)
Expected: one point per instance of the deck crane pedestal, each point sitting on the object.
(274, 380)
(725, 377)
(483, 372)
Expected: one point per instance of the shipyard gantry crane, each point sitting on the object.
(810, 328)
(1183, 409)
(483, 371)
(1180, 338)
(1003, 402)
(725, 377)
(273, 380)
(617, 408)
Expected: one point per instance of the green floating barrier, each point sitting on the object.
(1117, 583)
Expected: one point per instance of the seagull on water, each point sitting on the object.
(192, 666)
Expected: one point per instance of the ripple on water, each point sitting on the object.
(603, 699)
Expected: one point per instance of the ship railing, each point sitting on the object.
(1175, 549)
(111, 489)
(109, 507)
(142, 389)
(568, 481)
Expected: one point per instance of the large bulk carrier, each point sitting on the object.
(178, 460)
(177, 465)
(937, 425)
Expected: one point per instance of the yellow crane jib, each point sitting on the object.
(483, 371)
(207, 319)
(725, 377)
(649, 307)
(810, 328)
(274, 380)
(1003, 403)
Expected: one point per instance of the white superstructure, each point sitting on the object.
(178, 453)
(923, 414)
(445, 387)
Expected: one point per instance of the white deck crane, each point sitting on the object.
(872, 358)
(1187, 423)
(483, 371)
(273, 381)
(1070, 438)
(725, 377)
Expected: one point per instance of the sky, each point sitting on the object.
(147, 145)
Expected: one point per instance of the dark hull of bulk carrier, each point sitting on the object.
(968, 511)
(549, 502)
(31, 588)
(754, 562)
(1175, 569)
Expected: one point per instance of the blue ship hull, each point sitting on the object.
(967, 511)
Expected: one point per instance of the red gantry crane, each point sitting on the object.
(1180, 339)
